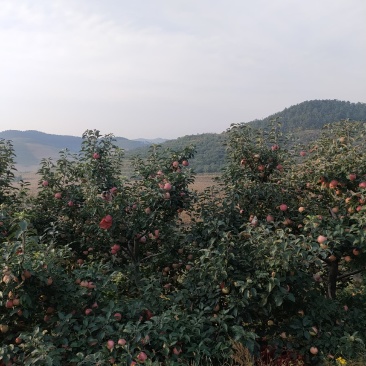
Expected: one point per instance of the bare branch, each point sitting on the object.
(349, 274)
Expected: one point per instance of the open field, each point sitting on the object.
(202, 181)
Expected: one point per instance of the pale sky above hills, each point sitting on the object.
(168, 68)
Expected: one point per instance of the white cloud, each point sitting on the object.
(198, 64)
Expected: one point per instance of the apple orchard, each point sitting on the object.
(98, 269)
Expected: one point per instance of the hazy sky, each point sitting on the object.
(168, 68)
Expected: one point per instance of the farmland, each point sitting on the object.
(201, 182)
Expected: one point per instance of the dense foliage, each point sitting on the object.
(314, 114)
(100, 270)
(209, 151)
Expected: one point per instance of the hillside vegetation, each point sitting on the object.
(303, 121)
(32, 146)
(210, 150)
(313, 115)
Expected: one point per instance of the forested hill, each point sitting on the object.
(210, 150)
(305, 119)
(315, 114)
(31, 146)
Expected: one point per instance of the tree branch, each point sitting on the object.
(349, 274)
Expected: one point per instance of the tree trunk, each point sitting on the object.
(332, 279)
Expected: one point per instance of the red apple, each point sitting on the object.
(142, 357)
(352, 176)
(96, 156)
(118, 316)
(91, 285)
(287, 221)
(121, 342)
(143, 239)
(45, 183)
(283, 207)
(362, 185)
(322, 239)
(58, 195)
(110, 344)
(88, 311)
(167, 186)
(314, 350)
(333, 184)
(356, 251)
(270, 218)
(16, 302)
(116, 247)
(302, 153)
(177, 351)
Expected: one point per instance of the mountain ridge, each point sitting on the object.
(306, 118)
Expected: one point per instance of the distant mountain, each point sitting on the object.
(210, 150)
(32, 146)
(305, 119)
(152, 141)
(314, 114)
